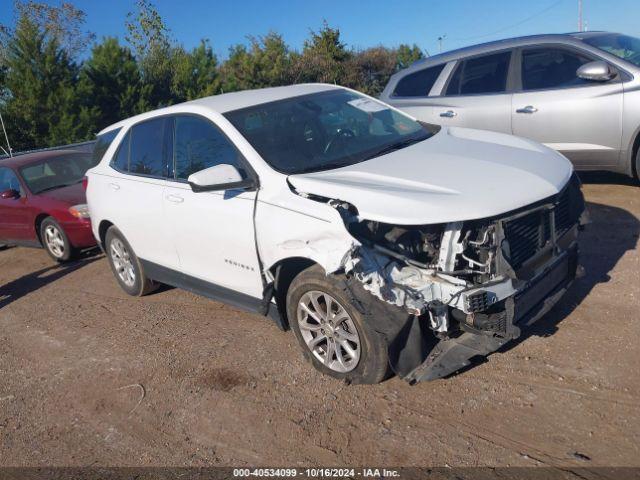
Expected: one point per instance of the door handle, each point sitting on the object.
(114, 186)
(527, 109)
(174, 198)
(449, 114)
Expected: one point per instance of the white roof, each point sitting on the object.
(234, 100)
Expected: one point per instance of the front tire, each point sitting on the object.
(55, 241)
(332, 333)
(126, 266)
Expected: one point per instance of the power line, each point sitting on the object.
(517, 24)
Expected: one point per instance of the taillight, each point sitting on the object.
(85, 182)
(80, 211)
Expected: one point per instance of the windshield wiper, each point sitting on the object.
(395, 146)
(54, 187)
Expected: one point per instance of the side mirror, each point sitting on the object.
(11, 193)
(597, 71)
(219, 177)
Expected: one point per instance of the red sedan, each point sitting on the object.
(43, 204)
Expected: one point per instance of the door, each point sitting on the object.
(213, 232)
(476, 94)
(580, 118)
(14, 212)
(132, 196)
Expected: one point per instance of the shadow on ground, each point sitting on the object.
(606, 178)
(29, 283)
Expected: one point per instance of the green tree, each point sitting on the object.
(267, 62)
(323, 58)
(64, 23)
(111, 83)
(149, 37)
(369, 70)
(40, 108)
(406, 55)
(195, 73)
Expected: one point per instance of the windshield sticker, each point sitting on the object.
(367, 105)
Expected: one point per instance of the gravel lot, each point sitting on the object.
(90, 376)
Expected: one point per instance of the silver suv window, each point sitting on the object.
(418, 84)
(544, 68)
(486, 74)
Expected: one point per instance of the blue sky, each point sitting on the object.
(363, 23)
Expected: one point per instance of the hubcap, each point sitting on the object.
(54, 241)
(122, 262)
(329, 331)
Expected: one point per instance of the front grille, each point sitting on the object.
(529, 234)
(526, 236)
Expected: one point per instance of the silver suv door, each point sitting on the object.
(580, 118)
(476, 94)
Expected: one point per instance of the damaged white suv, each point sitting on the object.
(384, 243)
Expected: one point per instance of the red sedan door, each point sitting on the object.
(14, 212)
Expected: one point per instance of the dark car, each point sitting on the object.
(43, 204)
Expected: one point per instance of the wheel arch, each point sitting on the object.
(37, 223)
(102, 231)
(283, 273)
(635, 146)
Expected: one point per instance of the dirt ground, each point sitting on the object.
(90, 376)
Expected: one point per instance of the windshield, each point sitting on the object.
(622, 46)
(324, 130)
(56, 172)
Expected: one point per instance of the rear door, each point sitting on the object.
(131, 195)
(14, 212)
(213, 232)
(582, 119)
(476, 95)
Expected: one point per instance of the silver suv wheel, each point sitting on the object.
(328, 331)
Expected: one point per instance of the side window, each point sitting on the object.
(199, 144)
(148, 149)
(121, 159)
(551, 68)
(418, 84)
(102, 144)
(9, 180)
(487, 74)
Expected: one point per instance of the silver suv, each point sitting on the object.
(578, 93)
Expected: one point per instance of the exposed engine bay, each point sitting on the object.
(472, 280)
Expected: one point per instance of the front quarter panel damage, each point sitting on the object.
(467, 282)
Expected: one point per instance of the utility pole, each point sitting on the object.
(6, 137)
(440, 39)
(580, 25)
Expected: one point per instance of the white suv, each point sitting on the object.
(382, 242)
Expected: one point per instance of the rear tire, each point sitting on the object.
(636, 167)
(358, 354)
(55, 241)
(126, 266)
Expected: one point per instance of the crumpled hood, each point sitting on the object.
(458, 174)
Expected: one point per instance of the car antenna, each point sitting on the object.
(6, 138)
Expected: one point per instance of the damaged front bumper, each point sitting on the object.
(474, 285)
(527, 306)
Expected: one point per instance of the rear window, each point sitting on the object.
(56, 172)
(146, 148)
(102, 144)
(487, 74)
(418, 84)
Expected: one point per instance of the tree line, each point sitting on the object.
(59, 85)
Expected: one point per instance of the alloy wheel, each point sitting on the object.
(55, 242)
(122, 262)
(328, 331)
